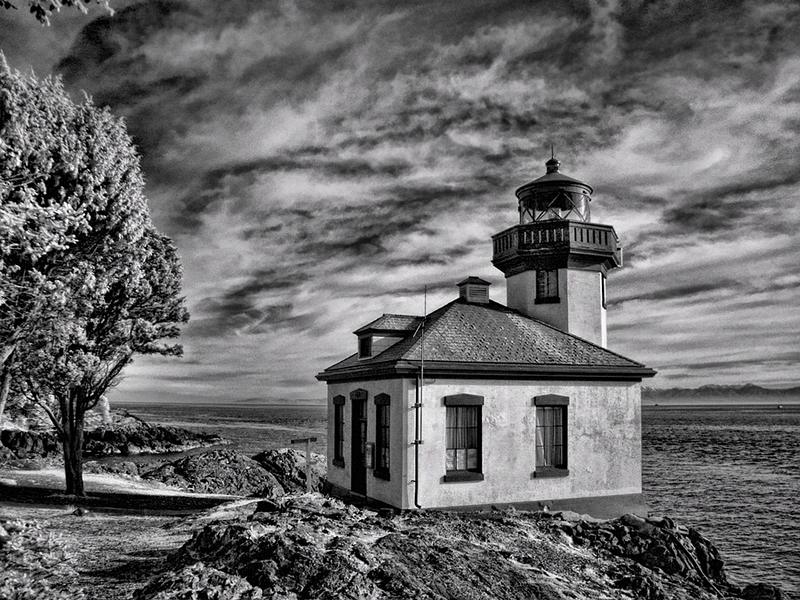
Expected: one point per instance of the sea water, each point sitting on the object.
(730, 472)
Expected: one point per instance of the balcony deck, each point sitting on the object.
(572, 236)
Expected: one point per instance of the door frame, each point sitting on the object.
(358, 440)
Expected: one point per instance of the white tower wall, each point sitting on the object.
(579, 310)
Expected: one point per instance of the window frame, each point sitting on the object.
(338, 430)
(383, 439)
(550, 277)
(603, 290)
(562, 403)
(465, 401)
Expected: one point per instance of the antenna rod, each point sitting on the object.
(422, 339)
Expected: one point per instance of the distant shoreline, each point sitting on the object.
(718, 403)
(200, 403)
(650, 403)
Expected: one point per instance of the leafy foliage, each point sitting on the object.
(85, 279)
(43, 9)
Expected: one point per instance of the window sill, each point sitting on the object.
(457, 476)
(381, 474)
(549, 472)
(338, 462)
(555, 300)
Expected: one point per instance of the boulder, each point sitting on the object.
(654, 543)
(289, 468)
(198, 582)
(127, 468)
(762, 591)
(218, 472)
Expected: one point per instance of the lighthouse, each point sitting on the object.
(555, 259)
(480, 404)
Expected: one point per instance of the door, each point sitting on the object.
(358, 481)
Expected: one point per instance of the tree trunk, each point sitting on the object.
(6, 351)
(72, 444)
(4, 385)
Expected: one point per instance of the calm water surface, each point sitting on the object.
(732, 473)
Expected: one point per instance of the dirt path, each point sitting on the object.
(113, 553)
(116, 553)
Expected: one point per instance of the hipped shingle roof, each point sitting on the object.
(490, 336)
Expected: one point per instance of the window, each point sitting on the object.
(463, 443)
(546, 286)
(603, 289)
(364, 346)
(382, 436)
(551, 435)
(338, 431)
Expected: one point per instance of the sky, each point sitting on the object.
(321, 163)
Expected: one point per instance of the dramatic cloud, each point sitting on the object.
(319, 164)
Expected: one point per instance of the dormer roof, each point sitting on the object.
(390, 324)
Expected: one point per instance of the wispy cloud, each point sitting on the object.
(321, 164)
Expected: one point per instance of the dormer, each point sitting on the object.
(474, 290)
(383, 332)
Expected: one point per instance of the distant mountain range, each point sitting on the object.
(747, 390)
(282, 401)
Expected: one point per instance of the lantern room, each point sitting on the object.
(554, 196)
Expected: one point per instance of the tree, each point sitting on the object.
(41, 211)
(132, 306)
(43, 9)
(107, 285)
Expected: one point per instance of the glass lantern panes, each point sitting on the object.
(560, 205)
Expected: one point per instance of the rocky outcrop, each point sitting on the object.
(289, 468)
(30, 445)
(310, 546)
(198, 582)
(126, 435)
(218, 472)
(129, 435)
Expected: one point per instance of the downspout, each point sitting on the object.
(417, 386)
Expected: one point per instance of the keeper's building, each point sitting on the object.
(518, 405)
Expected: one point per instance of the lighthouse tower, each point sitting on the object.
(556, 260)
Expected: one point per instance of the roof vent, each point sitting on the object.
(474, 290)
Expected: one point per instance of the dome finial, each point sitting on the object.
(552, 164)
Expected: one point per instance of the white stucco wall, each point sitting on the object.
(385, 491)
(587, 317)
(603, 437)
(521, 296)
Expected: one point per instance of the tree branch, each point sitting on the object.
(31, 392)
